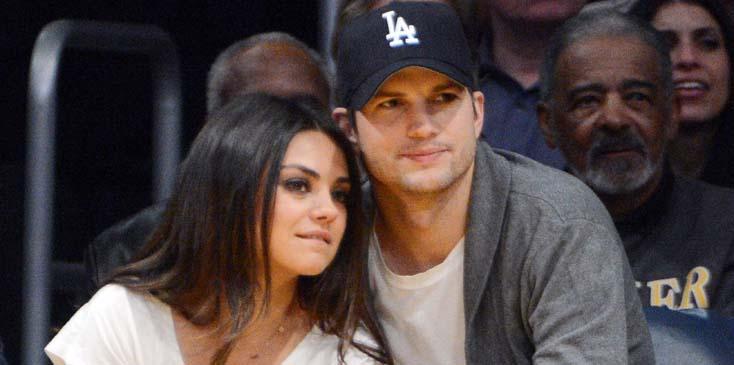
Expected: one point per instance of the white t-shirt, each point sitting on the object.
(122, 327)
(423, 314)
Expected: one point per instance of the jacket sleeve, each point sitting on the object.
(581, 304)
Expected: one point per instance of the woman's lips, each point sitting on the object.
(323, 236)
(690, 89)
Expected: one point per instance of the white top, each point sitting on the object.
(119, 326)
(423, 314)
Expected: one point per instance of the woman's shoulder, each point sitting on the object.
(322, 348)
(114, 324)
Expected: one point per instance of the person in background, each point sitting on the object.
(514, 36)
(259, 257)
(701, 37)
(275, 63)
(608, 105)
(477, 256)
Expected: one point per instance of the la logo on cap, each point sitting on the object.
(400, 33)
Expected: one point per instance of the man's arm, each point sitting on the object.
(582, 306)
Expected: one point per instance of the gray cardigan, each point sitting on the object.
(546, 280)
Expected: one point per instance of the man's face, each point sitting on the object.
(609, 114)
(418, 133)
(535, 11)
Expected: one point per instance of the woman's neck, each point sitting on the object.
(276, 326)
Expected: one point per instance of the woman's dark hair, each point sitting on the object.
(204, 251)
(719, 168)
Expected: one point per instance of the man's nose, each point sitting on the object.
(613, 114)
(421, 123)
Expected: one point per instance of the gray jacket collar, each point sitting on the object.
(487, 205)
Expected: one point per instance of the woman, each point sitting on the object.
(260, 258)
(702, 48)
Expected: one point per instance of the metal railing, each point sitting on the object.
(40, 161)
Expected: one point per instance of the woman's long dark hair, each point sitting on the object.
(719, 169)
(204, 251)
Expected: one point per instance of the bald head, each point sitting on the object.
(273, 63)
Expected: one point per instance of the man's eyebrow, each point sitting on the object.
(387, 94)
(583, 88)
(450, 84)
(637, 84)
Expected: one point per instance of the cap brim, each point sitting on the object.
(369, 87)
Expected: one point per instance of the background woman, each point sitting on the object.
(702, 48)
(259, 260)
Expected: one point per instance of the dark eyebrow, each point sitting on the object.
(344, 180)
(574, 92)
(637, 84)
(304, 169)
(387, 94)
(699, 32)
(313, 173)
(450, 84)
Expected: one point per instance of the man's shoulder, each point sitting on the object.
(554, 192)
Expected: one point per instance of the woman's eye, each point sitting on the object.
(710, 43)
(341, 196)
(296, 185)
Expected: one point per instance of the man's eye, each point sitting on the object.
(585, 101)
(390, 103)
(297, 185)
(445, 98)
(637, 96)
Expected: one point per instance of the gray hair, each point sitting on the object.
(222, 74)
(602, 23)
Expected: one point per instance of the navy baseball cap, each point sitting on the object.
(377, 44)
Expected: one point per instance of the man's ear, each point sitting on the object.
(341, 117)
(544, 121)
(478, 112)
(674, 120)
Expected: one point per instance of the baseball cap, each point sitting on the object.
(377, 44)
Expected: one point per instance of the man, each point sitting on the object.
(608, 106)
(274, 63)
(477, 257)
(514, 39)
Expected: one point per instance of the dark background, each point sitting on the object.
(103, 167)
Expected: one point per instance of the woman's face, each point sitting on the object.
(701, 65)
(310, 213)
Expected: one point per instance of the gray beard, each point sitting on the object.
(618, 177)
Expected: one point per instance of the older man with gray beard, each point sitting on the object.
(607, 104)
